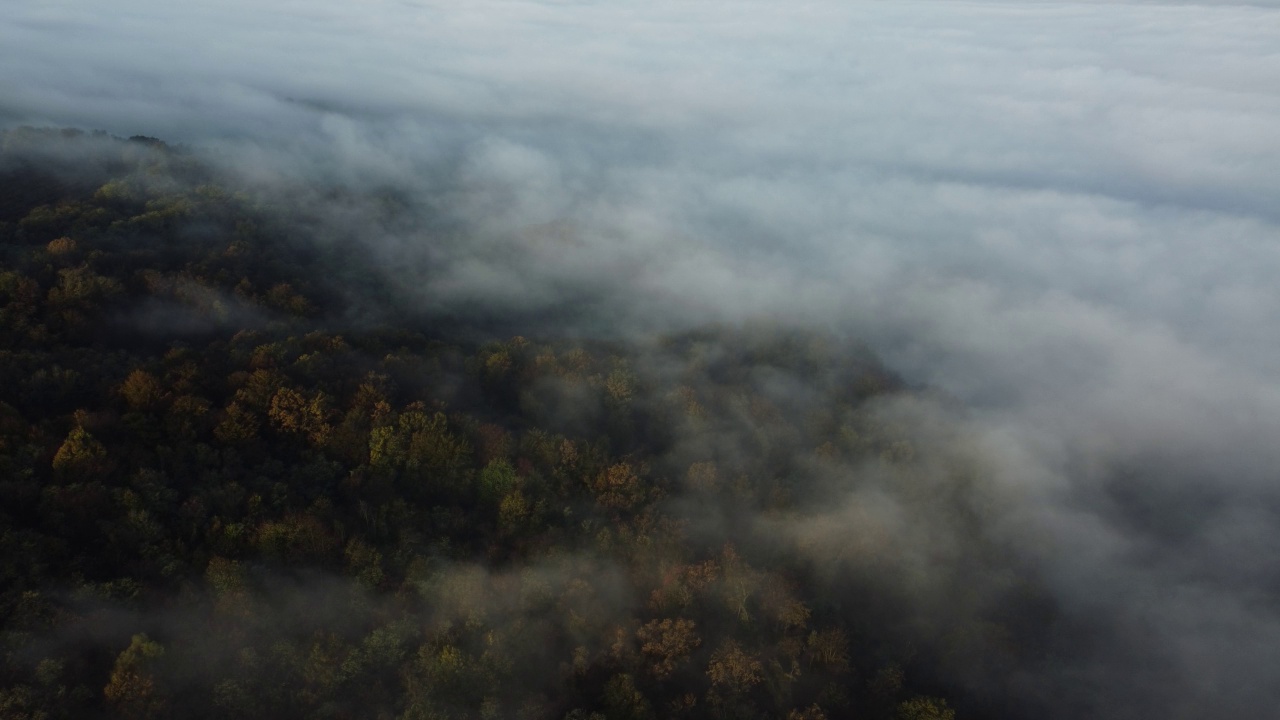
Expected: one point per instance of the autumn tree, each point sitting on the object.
(142, 391)
(306, 416)
(829, 649)
(132, 690)
(239, 424)
(734, 669)
(80, 455)
(618, 487)
(667, 643)
(925, 708)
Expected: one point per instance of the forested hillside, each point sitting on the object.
(243, 475)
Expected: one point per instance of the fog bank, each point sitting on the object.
(1063, 216)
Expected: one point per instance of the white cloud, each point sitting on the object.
(1063, 213)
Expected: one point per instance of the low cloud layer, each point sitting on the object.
(1063, 215)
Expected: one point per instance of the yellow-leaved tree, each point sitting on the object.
(132, 688)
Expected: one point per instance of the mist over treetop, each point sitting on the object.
(228, 494)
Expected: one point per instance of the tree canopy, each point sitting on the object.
(222, 495)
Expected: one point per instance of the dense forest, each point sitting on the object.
(243, 474)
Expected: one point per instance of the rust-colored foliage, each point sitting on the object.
(667, 643)
(733, 668)
(618, 487)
